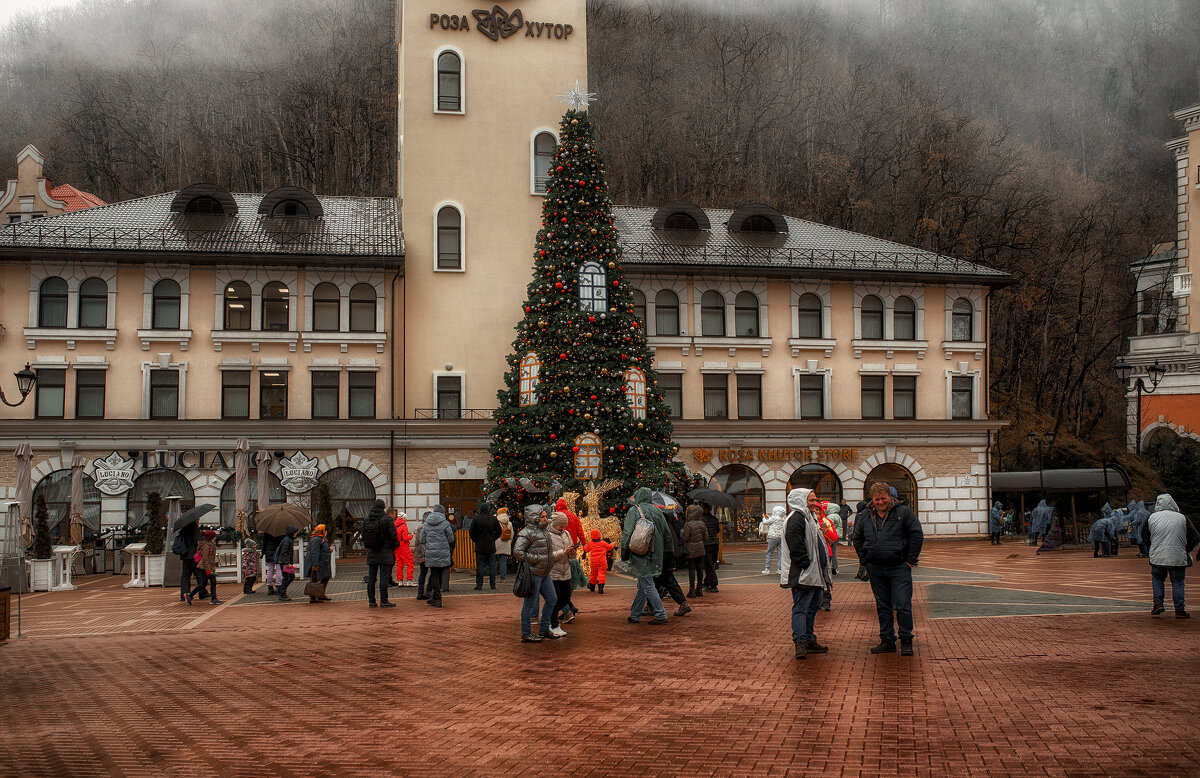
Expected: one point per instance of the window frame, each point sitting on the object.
(226, 387)
(158, 299)
(639, 310)
(909, 319)
(819, 380)
(460, 233)
(749, 385)
(164, 386)
(50, 378)
(362, 306)
(802, 313)
(590, 454)
(263, 386)
(323, 305)
(98, 299)
(592, 280)
(673, 383)
(957, 316)
(455, 391)
(80, 373)
(353, 391)
(461, 81)
(635, 391)
(659, 308)
(741, 310)
(530, 368)
(881, 391)
(226, 306)
(862, 317)
(709, 311)
(44, 296)
(710, 382)
(540, 184)
(969, 380)
(315, 387)
(272, 307)
(902, 386)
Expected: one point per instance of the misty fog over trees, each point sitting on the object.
(1026, 135)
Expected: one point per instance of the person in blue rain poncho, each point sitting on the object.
(1137, 519)
(1102, 533)
(1039, 523)
(995, 522)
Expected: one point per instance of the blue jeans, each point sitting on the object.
(502, 566)
(529, 607)
(805, 602)
(1158, 577)
(772, 548)
(647, 592)
(485, 562)
(892, 587)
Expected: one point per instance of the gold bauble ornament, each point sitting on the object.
(587, 415)
(593, 230)
(639, 425)
(574, 121)
(612, 265)
(553, 454)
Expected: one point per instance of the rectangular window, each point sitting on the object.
(666, 320)
(962, 396)
(449, 397)
(716, 397)
(235, 394)
(164, 394)
(904, 397)
(872, 396)
(51, 393)
(671, 386)
(272, 395)
(325, 386)
(749, 396)
(362, 394)
(89, 394)
(812, 397)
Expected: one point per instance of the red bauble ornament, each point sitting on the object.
(612, 510)
(552, 436)
(564, 220)
(615, 283)
(621, 447)
(562, 356)
(558, 284)
(571, 411)
(575, 449)
(593, 397)
(591, 318)
(541, 253)
(527, 309)
(559, 168)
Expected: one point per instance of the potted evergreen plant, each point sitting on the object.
(156, 561)
(41, 566)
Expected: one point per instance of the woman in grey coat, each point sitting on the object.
(533, 547)
(319, 561)
(439, 539)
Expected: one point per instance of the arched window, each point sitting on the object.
(204, 205)
(808, 310)
(962, 320)
(635, 391)
(238, 300)
(167, 483)
(349, 490)
(93, 303)
(712, 314)
(449, 82)
(639, 305)
(666, 313)
(681, 221)
(588, 459)
(593, 289)
(897, 476)
(229, 496)
(543, 160)
(872, 318)
(327, 308)
(743, 484)
(289, 208)
(904, 319)
(52, 303)
(820, 479)
(275, 307)
(56, 488)
(362, 308)
(745, 315)
(757, 223)
(164, 306)
(530, 366)
(449, 239)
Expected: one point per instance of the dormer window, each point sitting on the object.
(204, 205)
(758, 219)
(290, 208)
(757, 223)
(204, 200)
(680, 221)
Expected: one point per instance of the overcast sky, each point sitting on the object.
(9, 8)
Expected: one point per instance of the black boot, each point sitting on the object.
(600, 588)
(591, 586)
(271, 590)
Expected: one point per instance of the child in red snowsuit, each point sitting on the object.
(404, 554)
(597, 551)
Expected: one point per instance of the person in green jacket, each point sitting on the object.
(646, 567)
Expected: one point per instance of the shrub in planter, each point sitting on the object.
(154, 523)
(42, 547)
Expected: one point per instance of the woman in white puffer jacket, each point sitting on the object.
(772, 528)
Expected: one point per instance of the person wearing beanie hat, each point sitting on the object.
(250, 559)
(206, 567)
(319, 561)
(504, 542)
(560, 572)
(597, 550)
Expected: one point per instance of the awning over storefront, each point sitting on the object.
(1079, 480)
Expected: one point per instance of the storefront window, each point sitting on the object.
(897, 476)
(744, 484)
(167, 483)
(351, 494)
(275, 494)
(56, 487)
(820, 479)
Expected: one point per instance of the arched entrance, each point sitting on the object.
(166, 483)
(744, 484)
(351, 494)
(820, 479)
(56, 487)
(229, 496)
(897, 476)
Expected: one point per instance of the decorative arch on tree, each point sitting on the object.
(593, 289)
(588, 457)
(635, 391)
(530, 367)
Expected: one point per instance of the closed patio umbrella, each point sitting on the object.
(241, 490)
(77, 465)
(25, 490)
(263, 461)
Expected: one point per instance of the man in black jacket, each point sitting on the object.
(381, 540)
(484, 532)
(888, 538)
(712, 548)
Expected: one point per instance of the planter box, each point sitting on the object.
(42, 574)
(156, 567)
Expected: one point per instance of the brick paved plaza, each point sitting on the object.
(1025, 665)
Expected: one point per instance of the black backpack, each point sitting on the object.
(179, 546)
(372, 534)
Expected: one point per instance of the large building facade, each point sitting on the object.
(350, 346)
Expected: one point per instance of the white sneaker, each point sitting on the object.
(766, 572)
(558, 632)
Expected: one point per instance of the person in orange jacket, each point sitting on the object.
(597, 551)
(574, 525)
(829, 534)
(404, 554)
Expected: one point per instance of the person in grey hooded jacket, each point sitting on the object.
(439, 539)
(804, 568)
(534, 548)
(1171, 538)
(771, 527)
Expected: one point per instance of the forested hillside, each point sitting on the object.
(1023, 134)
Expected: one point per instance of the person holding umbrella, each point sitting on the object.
(206, 562)
(187, 539)
(283, 559)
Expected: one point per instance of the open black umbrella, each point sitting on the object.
(191, 516)
(715, 498)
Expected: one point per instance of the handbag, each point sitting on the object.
(197, 557)
(314, 590)
(578, 579)
(522, 581)
(289, 569)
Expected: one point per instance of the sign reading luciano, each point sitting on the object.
(498, 23)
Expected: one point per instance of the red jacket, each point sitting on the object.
(597, 551)
(404, 550)
(574, 525)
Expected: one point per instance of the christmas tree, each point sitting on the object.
(581, 401)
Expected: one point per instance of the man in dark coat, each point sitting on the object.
(187, 562)
(712, 547)
(484, 532)
(888, 539)
(381, 553)
(271, 572)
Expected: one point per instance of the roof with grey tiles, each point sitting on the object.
(806, 246)
(350, 227)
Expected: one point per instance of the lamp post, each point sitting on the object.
(26, 378)
(1156, 372)
(1046, 438)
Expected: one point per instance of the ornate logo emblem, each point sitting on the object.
(113, 475)
(498, 23)
(298, 474)
(702, 454)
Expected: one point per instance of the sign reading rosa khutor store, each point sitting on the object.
(498, 23)
(775, 454)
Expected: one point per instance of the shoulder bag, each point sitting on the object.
(522, 581)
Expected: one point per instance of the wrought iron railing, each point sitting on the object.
(452, 413)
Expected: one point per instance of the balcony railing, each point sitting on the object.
(1183, 284)
(452, 413)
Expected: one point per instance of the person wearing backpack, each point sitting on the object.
(484, 532)
(649, 564)
(379, 537)
(184, 546)
(504, 542)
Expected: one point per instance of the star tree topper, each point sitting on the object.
(577, 98)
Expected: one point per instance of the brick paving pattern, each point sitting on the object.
(110, 681)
